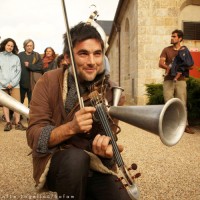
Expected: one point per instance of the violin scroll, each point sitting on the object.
(128, 181)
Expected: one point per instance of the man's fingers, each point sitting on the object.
(102, 147)
(87, 110)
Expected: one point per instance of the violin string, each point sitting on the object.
(108, 130)
(115, 148)
(96, 102)
(105, 123)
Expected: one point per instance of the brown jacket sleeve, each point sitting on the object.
(45, 103)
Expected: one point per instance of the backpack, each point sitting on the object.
(183, 61)
(185, 57)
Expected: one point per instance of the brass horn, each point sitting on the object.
(168, 120)
(11, 103)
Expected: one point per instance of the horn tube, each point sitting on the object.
(11, 103)
(168, 120)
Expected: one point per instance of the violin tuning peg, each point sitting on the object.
(122, 187)
(118, 179)
(132, 167)
(136, 175)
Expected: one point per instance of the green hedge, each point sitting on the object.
(155, 96)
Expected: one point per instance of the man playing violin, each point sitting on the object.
(71, 154)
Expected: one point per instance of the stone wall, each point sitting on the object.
(145, 29)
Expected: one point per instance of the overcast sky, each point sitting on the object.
(43, 20)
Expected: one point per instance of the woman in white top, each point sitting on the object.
(10, 72)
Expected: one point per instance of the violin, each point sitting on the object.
(102, 115)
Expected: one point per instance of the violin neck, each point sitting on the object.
(100, 108)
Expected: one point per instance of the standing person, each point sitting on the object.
(10, 72)
(171, 88)
(31, 64)
(63, 137)
(48, 59)
(61, 62)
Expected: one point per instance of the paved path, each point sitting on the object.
(168, 173)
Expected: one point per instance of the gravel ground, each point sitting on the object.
(168, 173)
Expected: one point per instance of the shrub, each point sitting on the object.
(193, 98)
(155, 96)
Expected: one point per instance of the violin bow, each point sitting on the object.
(73, 64)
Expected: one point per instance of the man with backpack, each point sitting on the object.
(171, 61)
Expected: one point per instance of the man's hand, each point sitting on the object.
(26, 64)
(102, 147)
(82, 121)
(167, 70)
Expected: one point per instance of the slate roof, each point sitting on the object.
(106, 25)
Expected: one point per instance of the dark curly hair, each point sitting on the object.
(79, 33)
(179, 33)
(59, 59)
(4, 42)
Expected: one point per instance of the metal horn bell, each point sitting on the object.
(168, 120)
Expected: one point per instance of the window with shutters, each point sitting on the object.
(191, 30)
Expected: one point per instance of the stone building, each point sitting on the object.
(141, 29)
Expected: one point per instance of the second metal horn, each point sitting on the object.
(117, 91)
(11, 103)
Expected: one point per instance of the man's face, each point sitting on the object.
(89, 59)
(29, 47)
(175, 39)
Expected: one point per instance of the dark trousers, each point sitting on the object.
(23, 92)
(70, 177)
